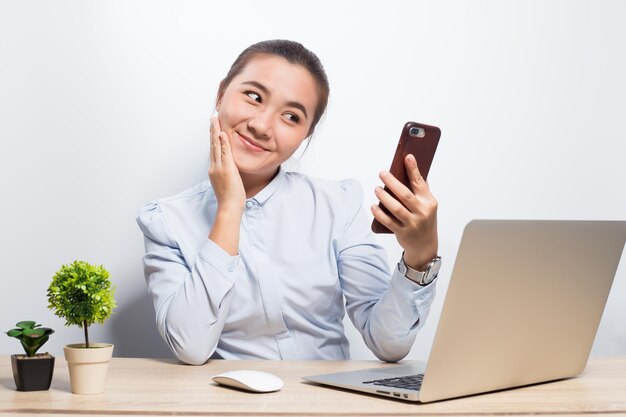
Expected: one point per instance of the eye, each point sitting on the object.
(292, 117)
(254, 96)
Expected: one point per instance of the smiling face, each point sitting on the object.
(267, 111)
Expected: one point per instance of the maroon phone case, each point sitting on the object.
(422, 148)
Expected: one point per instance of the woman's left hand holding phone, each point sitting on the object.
(229, 191)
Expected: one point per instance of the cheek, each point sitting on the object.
(226, 116)
(232, 111)
(291, 141)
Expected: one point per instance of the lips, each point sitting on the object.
(250, 144)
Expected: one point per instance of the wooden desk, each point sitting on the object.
(141, 387)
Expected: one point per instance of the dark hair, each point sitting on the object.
(294, 53)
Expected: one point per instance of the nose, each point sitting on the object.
(260, 124)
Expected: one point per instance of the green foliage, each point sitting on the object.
(82, 294)
(31, 335)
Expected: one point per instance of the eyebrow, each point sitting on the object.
(264, 89)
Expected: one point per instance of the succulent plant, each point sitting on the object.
(31, 335)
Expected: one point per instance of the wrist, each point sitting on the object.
(421, 277)
(420, 261)
(229, 211)
(225, 231)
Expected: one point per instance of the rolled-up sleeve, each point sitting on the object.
(386, 307)
(191, 301)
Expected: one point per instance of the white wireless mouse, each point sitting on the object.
(254, 381)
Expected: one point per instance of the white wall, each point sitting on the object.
(105, 106)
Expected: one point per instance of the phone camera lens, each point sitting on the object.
(417, 132)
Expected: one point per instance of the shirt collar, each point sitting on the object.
(262, 196)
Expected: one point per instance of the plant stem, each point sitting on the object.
(86, 334)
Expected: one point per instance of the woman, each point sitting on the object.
(256, 262)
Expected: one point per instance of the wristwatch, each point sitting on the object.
(422, 278)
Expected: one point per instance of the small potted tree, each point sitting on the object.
(33, 371)
(82, 294)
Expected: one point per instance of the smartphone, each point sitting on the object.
(420, 140)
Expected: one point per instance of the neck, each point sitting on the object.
(254, 183)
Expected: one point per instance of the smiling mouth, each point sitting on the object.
(250, 144)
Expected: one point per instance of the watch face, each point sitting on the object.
(421, 278)
(432, 270)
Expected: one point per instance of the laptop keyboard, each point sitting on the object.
(410, 382)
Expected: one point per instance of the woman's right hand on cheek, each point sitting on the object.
(223, 173)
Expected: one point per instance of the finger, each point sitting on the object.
(218, 125)
(403, 194)
(386, 220)
(212, 130)
(216, 148)
(396, 208)
(215, 128)
(226, 154)
(418, 183)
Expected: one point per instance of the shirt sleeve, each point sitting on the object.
(386, 307)
(191, 301)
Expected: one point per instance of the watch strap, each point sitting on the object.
(422, 278)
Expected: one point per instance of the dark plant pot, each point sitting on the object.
(32, 374)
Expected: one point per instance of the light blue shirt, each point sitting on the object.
(305, 249)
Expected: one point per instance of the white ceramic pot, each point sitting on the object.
(88, 367)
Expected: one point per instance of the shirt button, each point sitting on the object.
(249, 204)
(231, 267)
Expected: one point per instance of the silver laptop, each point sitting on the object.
(523, 306)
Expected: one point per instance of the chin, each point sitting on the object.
(254, 166)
